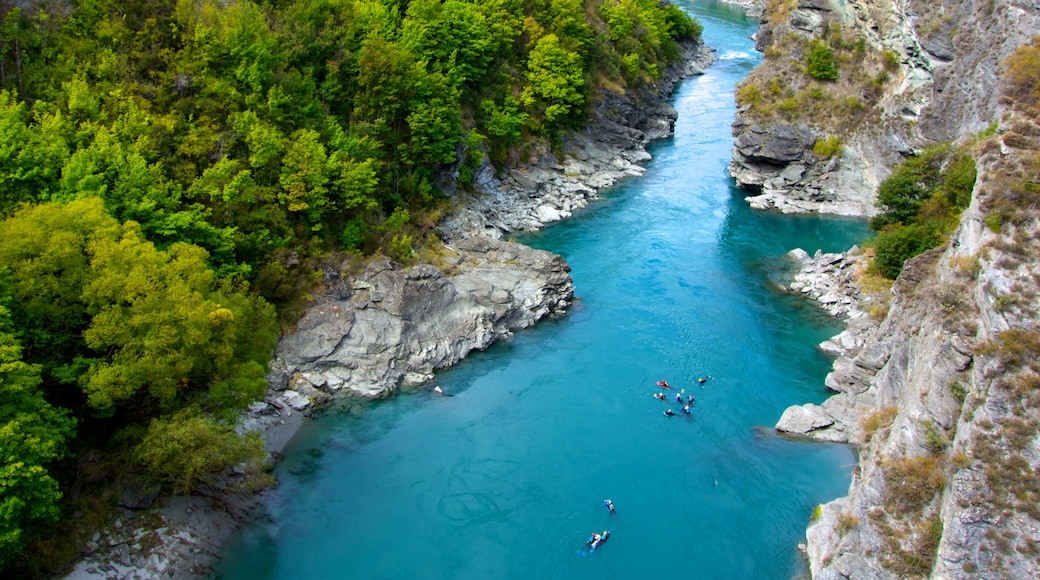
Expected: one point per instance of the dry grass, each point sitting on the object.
(880, 419)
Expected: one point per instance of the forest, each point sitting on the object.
(172, 171)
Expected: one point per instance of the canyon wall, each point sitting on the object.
(938, 385)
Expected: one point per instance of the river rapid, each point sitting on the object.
(505, 476)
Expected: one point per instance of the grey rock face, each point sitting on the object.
(949, 57)
(400, 323)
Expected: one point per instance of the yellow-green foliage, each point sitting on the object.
(1022, 74)
(748, 94)
(829, 146)
(187, 448)
(816, 513)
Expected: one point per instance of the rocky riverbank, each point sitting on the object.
(371, 333)
(548, 187)
(829, 280)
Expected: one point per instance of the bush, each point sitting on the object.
(822, 63)
(897, 244)
(958, 180)
(1022, 73)
(911, 483)
(890, 59)
(749, 94)
(829, 146)
(880, 419)
(187, 448)
(912, 182)
(920, 201)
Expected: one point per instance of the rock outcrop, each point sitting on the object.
(918, 77)
(392, 326)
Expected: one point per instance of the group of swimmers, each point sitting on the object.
(686, 404)
(598, 538)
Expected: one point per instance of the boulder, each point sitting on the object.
(137, 492)
(803, 419)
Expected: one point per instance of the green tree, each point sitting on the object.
(911, 183)
(304, 179)
(822, 64)
(556, 83)
(32, 435)
(145, 321)
(897, 244)
(164, 321)
(454, 37)
(435, 122)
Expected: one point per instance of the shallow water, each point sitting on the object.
(505, 478)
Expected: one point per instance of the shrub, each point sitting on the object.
(749, 94)
(897, 244)
(911, 183)
(994, 221)
(1022, 73)
(846, 522)
(822, 64)
(935, 439)
(958, 180)
(890, 59)
(879, 419)
(401, 248)
(829, 146)
(187, 448)
(911, 483)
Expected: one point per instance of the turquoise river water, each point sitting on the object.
(506, 477)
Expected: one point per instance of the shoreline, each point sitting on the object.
(180, 536)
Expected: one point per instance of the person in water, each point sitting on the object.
(660, 396)
(704, 380)
(669, 412)
(594, 540)
(610, 507)
(686, 409)
(689, 399)
(678, 398)
(663, 384)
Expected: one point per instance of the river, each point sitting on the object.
(506, 476)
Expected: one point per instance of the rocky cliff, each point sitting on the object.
(941, 399)
(939, 393)
(908, 74)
